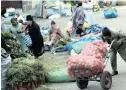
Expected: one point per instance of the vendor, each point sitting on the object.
(36, 37)
(55, 33)
(18, 30)
(78, 20)
(119, 45)
(88, 9)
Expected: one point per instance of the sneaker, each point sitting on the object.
(114, 73)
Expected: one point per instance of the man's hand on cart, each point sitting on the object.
(116, 43)
(110, 46)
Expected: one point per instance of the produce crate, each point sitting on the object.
(82, 73)
(25, 85)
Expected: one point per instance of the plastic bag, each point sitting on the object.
(5, 64)
(19, 11)
(97, 28)
(69, 26)
(27, 40)
(54, 16)
(86, 25)
(68, 47)
(44, 31)
(110, 13)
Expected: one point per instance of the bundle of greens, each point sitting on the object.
(25, 70)
(62, 42)
(45, 38)
(11, 45)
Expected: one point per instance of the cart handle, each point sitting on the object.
(108, 53)
(110, 46)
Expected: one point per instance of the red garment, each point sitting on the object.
(55, 34)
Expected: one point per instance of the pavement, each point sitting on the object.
(119, 81)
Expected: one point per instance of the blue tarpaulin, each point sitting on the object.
(97, 28)
(87, 38)
(78, 46)
(69, 46)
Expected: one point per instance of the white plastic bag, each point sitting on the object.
(28, 40)
(54, 16)
(5, 64)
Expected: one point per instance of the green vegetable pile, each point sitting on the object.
(25, 70)
(11, 45)
(45, 38)
(62, 42)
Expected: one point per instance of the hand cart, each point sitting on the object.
(103, 77)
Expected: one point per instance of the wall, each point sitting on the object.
(29, 4)
(14, 4)
(34, 3)
(26, 5)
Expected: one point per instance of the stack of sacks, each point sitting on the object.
(89, 62)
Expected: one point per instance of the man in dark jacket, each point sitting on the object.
(36, 37)
(119, 45)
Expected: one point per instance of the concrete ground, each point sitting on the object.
(119, 81)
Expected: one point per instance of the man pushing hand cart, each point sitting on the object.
(119, 45)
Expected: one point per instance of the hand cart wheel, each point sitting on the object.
(82, 83)
(106, 80)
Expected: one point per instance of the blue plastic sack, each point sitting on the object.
(89, 39)
(27, 40)
(110, 13)
(45, 28)
(97, 28)
(44, 31)
(68, 47)
(85, 40)
(60, 49)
